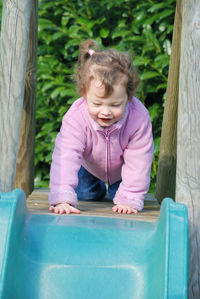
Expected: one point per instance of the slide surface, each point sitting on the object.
(82, 257)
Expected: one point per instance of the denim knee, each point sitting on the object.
(89, 187)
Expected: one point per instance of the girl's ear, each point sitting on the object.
(84, 95)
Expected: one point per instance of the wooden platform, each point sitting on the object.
(37, 203)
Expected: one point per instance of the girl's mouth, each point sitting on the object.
(105, 120)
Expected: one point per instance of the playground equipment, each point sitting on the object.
(81, 257)
(179, 169)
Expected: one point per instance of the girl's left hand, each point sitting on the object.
(124, 209)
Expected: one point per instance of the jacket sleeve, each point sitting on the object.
(137, 167)
(66, 162)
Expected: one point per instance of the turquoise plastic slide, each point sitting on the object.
(81, 257)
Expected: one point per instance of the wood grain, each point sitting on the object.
(37, 203)
(24, 178)
(13, 48)
(188, 137)
(166, 174)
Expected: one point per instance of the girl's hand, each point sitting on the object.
(62, 208)
(124, 209)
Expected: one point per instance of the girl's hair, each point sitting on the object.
(109, 66)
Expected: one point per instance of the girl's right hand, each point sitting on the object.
(62, 208)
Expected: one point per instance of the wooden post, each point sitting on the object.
(188, 136)
(24, 178)
(13, 49)
(166, 175)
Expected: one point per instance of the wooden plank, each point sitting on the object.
(24, 178)
(166, 174)
(13, 49)
(37, 203)
(188, 137)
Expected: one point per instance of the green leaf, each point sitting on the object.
(166, 13)
(138, 61)
(47, 86)
(153, 111)
(149, 75)
(157, 6)
(46, 24)
(161, 86)
(104, 32)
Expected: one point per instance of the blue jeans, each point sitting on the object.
(91, 188)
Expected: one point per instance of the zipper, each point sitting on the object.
(107, 156)
(107, 137)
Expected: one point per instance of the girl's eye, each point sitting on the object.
(96, 104)
(116, 105)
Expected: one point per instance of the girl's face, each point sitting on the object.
(106, 110)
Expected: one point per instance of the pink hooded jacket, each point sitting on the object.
(121, 151)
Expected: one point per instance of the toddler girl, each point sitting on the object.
(106, 136)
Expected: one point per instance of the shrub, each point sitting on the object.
(141, 27)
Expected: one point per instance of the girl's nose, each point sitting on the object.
(105, 111)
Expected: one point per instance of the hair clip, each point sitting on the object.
(91, 52)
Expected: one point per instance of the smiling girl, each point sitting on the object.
(105, 137)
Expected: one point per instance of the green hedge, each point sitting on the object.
(141, 27)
